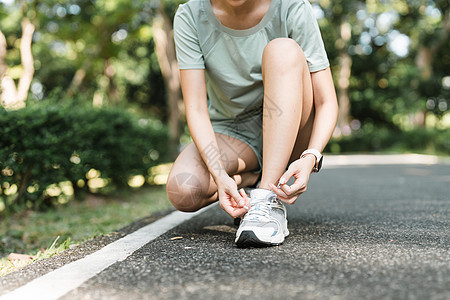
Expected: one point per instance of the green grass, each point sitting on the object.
(43, 234)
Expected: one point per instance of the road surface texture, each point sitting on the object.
(359, 232)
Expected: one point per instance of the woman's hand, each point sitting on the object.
(301, 170)
(235, 203)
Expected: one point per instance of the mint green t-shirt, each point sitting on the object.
(232, 58)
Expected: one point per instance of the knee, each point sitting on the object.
(284, 52)
(184, 191)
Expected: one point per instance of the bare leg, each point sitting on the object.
(190, 185)
(288, 107)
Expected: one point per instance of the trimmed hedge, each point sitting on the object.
(45, 144)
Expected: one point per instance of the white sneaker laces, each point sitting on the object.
(260, 209)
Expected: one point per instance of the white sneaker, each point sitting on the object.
(265, 223)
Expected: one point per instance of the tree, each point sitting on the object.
(430, 43)
(424, 27)
(165, 50)
(11, 95)
(340, 15)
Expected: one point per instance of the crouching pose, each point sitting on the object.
(259, 99)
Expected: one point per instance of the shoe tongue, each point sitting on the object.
(257, 195)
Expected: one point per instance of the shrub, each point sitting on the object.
(44, 145)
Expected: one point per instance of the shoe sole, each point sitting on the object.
(248, 239)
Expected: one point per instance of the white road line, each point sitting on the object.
(61, 281)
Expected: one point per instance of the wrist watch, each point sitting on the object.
(317, 155)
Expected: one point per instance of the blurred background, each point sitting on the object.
(91, 102)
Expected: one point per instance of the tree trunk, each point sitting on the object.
(23, 186)
(10, 95)
(3, 46)
(424, 62)
(343, 83)
(78, 78)
(81, 72)
(27, 60)
(111, 91)
(345, 65)
(165, 51)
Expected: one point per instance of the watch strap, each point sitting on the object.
(317, 155)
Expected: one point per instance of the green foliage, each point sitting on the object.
(45, 144)
(109, 46)
(385, 83)
(90, 47)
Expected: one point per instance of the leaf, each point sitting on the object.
(17, 256)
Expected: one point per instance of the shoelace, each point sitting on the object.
(260, 210)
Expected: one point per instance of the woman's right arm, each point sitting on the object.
(193, 86)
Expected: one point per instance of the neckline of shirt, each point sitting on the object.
(239, 32)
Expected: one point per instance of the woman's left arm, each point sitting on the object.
(326, 113)
(325, 104)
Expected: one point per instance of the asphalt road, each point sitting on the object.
(378, 232)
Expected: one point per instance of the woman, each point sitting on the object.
(259, 97)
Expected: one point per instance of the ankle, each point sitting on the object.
(265, 185)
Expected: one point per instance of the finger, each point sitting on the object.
(229, 210)
(237, 198)
(279, 192)
(288, 190)
(246, 199)
(230, 207)
(286, 176)
(290, 200)
(236, 212)
(240, 212)
(298, 186)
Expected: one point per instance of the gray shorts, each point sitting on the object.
(246, 128)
